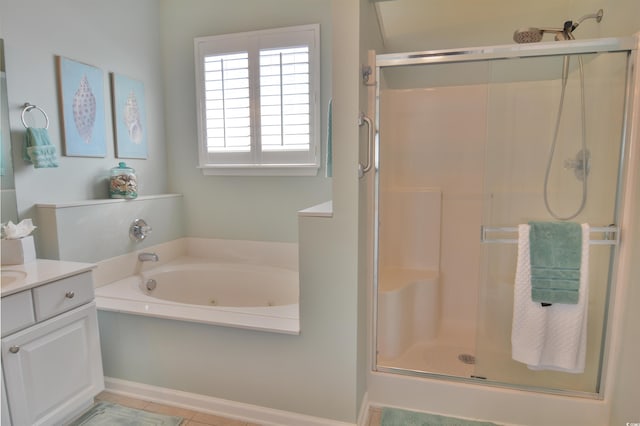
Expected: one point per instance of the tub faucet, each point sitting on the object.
(148, 257)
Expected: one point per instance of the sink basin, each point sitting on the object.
(10, 276)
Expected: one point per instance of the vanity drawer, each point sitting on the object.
(17, 312)
(60, 296)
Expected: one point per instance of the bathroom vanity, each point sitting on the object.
(51, 361)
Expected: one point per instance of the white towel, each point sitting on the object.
(550, 337)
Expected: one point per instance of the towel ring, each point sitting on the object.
(28, 107)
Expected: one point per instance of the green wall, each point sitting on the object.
(115, 36)
(251, 208)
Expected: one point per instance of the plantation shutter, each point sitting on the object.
(258, 97)
(284, 99)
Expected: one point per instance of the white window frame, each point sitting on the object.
(258, 162)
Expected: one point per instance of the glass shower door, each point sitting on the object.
(429, 196)
(521, 118)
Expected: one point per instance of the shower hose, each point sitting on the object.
(554, 143)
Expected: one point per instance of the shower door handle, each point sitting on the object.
(364, 168)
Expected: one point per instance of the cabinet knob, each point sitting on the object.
(14, 349)
(69, 295)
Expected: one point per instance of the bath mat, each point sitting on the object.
(107, 413)
(396, 417)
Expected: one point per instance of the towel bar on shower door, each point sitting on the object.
(610, 234)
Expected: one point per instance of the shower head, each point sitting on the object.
(527, 35)
(534, 35)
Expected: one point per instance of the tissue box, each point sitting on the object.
(17, 252)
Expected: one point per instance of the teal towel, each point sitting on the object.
(555, 255)
(38, 149)
(329, 170)
(398, 417)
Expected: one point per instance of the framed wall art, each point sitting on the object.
(129, 117)
(82, 106)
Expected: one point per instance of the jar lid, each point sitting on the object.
(122, 166)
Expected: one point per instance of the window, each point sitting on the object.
(258, 96)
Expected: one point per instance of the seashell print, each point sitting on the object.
(84, 110)
(132, 119)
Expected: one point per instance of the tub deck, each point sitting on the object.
(125, 296)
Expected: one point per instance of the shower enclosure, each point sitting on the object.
(463, 139)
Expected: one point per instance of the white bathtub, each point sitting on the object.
(219, 290)
(194, 282)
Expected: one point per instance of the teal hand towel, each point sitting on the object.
(38, 149)
(43, 156)
(555, 255)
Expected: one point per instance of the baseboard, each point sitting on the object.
(363, 415)
(221, 407)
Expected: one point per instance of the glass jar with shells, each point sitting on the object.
(123, 182)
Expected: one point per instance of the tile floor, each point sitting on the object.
(191, 418)
(194, 418)
(375, 414)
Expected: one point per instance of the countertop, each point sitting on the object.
(16, 278)
(319, 210)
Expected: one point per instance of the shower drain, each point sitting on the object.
(467, 358)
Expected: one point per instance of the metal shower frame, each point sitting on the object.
(630, 45)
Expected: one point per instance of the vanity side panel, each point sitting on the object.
(46, 234)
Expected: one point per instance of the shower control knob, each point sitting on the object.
(581, 164)
(139, 230)
(151, 284)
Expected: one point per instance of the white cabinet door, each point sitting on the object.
(53, 368)
(6, 419)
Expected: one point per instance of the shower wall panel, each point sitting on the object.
(435, 138)
(520, 121)
(411, 231)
